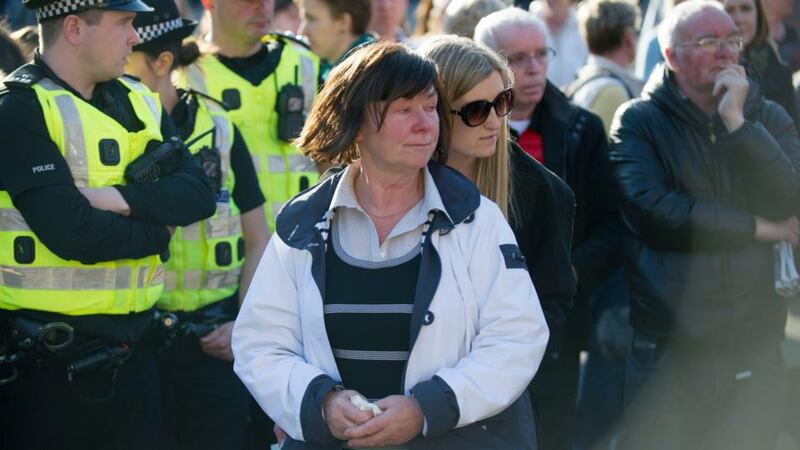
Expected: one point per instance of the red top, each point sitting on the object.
(531, 142)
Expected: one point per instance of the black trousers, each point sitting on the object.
(703, 396)
(43, 410)
(554, 391)
(205, 406)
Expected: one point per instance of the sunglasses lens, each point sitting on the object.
(475, 113)
(504, 103)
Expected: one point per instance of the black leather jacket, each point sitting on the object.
(691, 192)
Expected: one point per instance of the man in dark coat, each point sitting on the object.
(709, 176)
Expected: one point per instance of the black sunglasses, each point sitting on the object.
(475, 113)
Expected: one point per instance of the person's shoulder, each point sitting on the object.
(17, 97)
(640, 109)
(288, 37)
(585, 123)
(774, 116)
(531, 175)
(297, 220)
(23, 77)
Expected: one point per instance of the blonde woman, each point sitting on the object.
(539, 206)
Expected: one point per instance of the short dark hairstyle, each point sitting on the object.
(378, 72)
(50, 29)
(183, 53)
(360, 12)
(603, 23)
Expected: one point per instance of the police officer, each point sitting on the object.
(205, 406)
(269, 82)
(80, 268)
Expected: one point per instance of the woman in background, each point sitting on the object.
(775, 77)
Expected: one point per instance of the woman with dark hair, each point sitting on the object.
(334, 27)
(211, 262)
(392, 282)
(775, 77)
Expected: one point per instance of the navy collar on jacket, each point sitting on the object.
(297, 221)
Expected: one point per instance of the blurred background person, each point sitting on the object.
(476, 82)
(334, 27)
(570, 48)
(571, 142)
(778, 13)
(204, 405)
(11, 53)
(759, 52)
(287, 17)
(648, 52)
(388, 19)
(27, 38)
(269, 83)
(429, 15)
(461, 16)
(605, 82)
(709, 174)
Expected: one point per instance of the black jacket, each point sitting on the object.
(541, 212)
(691, 191)
(576, 149)
(774, 77)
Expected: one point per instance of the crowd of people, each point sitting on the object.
(309, 224)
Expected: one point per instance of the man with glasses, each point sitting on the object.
(709, 176)
(571, 142)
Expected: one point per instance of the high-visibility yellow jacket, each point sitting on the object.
(206, 257)
(47, 282)
(282, 170)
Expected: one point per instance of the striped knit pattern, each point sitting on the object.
(367, 317)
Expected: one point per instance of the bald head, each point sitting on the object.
(683, 19)
(491, 29)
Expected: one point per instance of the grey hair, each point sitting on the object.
(461, 16)
(670, 27)
(487, 29)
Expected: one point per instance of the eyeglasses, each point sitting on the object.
(475, 113)
(713, 43)
(541, 56)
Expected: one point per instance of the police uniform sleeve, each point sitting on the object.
(40, 184)
(246, 192)
(181, 198)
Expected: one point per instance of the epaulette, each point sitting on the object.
(288, 36)
(222, 104)
(25, 76)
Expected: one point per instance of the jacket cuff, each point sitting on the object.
(129, 194)
(315, 429)
(439, 406)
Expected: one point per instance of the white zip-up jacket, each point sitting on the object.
(477, 330)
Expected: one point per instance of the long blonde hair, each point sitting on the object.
(462, 64)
